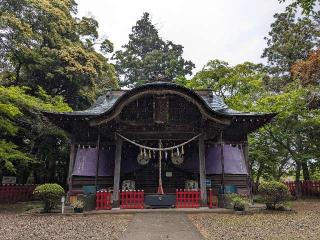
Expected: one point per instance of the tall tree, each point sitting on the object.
(42, 43)
(291, 39)
(148, 56)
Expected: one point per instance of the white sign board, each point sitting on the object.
(9, 180)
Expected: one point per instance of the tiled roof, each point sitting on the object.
(106, 102)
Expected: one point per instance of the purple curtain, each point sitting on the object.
(86, 162)
(86, 159)
(234, 161)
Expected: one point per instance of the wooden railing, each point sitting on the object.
(13, 193)
(132, 199)
(308, 188)
(187, 198)
(103, 200)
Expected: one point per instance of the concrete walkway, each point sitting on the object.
(160, 226)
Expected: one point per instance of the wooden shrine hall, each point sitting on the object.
(159, 137)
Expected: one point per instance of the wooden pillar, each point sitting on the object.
(202, 171)
(245, 149)
(117, 166)
(71, 163)
(98, 160)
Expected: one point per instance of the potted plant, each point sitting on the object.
(238, 202)
(78, 206)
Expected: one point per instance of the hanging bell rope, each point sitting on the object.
(158, 149)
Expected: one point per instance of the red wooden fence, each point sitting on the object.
(103, 200)
(13, 193)
(132, 199)
(187, 198)
(212, 198)
(308, 187)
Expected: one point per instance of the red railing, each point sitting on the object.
(103, 200)
(13, 193)
(132, 199)
(308, 187)
(212, 198)
(187, 198)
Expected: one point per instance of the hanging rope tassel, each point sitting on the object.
(160, 188)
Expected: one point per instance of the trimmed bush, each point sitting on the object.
(50, 194)
(274, 194)
(238, 202)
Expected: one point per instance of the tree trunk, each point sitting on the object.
(256, 184)
(298, 174)
(305, 171)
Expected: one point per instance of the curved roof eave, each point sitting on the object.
(160, 88)
(212, 105)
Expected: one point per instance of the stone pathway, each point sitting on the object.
(161, 226)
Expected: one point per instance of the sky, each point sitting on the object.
(229, 30)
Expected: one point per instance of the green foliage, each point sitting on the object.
(20, 119)
(147, 56)
(238, 202)
(50, 194)
(240, 86)
(274, 194)
(42, 43)
(306, 5)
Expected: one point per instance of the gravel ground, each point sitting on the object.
(304, 224)
(15, 226)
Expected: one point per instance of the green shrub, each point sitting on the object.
(274, 194)
(237, 201)
(50, 194)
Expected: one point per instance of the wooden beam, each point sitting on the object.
(202, 171)
(97, 163)
(71, 163)
(117, 167)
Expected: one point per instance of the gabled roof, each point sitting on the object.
(212, 103)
